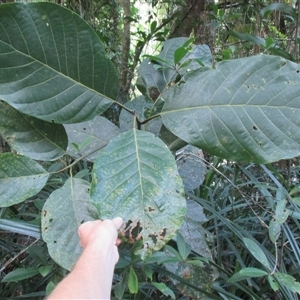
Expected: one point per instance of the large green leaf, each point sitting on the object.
(150, 80)
(20, 178)
(86, 139)
(32, 137)
(191, 167)
(199, 275)
(136, 178)
(200, 53)
(192, 229)
(52, 64)
(244, 109)
(62, 214)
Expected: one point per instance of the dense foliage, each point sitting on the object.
(196, 149)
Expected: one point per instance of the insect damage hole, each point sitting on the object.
(132, 231)
(153, 237)
(150, 209)
(254, 127)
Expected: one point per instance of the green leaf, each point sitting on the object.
(149, 78)
(62, 214)
(281, 194)
(249, 38)
(295, 190)
(257, 252)
(45, 270)
(183, 248)
(133, 283)
(193, 272)
(194, 275)
(237, 110)
(168, 54)
(277, 6)
(270, 42)
(20, 274)
(148, 271)
(295, 200)
(157, 59)
(90, 137)
(280, 52)
(163, 257)
(200, 56)
(153, 26)
(198, 263)
(53, 66)
(120, 287)
(32, 137)
(247, 273)
(164, 289)
(215, 9)
(136, 170)
(49, 288)
(180, 53)
(192, 230)
(20, 178)
(171, 251)
(273, 283)
(137, 105)
(288, 281)
(274, 230)
(281, 212)
(169, 48)
(153, 79)
(191, 167)
(39, 254)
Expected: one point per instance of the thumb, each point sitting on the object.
(118, 222)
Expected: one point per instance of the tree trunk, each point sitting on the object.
(124, 76)
(193, 21)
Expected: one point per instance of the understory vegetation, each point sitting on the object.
(181, 117)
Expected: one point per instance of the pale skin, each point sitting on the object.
(92, 275)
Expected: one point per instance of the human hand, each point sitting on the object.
(101, 235)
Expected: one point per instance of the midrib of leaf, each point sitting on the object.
(73, 198)
(138, 163)
(210, 107)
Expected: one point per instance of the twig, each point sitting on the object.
(15, 257)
